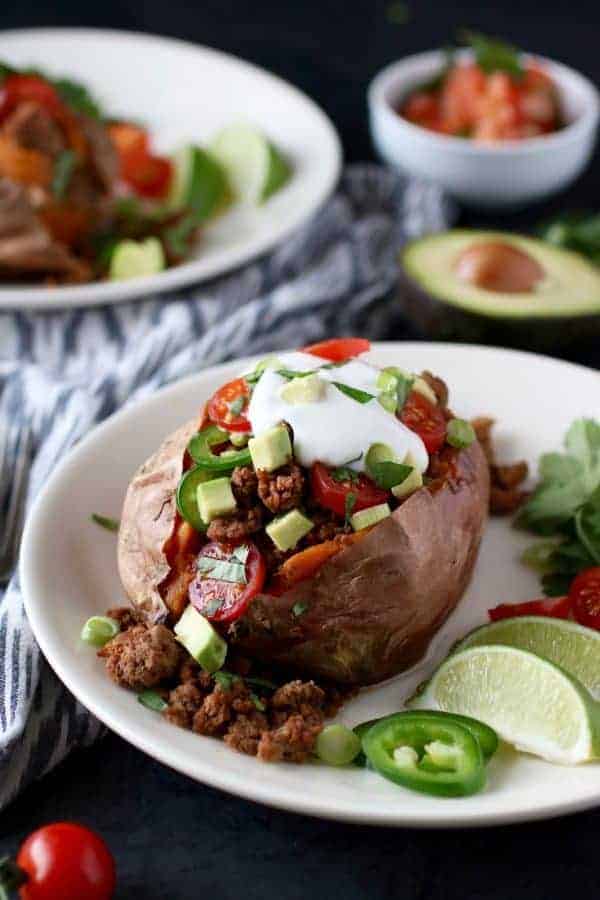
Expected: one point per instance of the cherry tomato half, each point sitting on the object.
(21, 88)
(152, 177)
(223, 406)
(332, 494)
(425, 419)
(584, 595)
(225, 601)
(132, 145)
(339, 349)
(67, 861)
(555, 607)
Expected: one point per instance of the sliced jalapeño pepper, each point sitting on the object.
(200, 449)
(187, 502)
(433, 754)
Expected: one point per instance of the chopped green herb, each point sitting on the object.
(232, 569)
(349, 504)
(292, 373)
(237, 405)
(387, 474)
(343, 473)
(77, 96)
(64, 167)
(492, 54)
(354, 393)
(262, 683)
(299, 608)
(152, 701)
(241, 553)
(225, 679)
(106, 522)
(258, 703)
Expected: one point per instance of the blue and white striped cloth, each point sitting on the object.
(65, 371)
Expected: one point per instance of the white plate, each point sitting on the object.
(68, 572)
(186, 93)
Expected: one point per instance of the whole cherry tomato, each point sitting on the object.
(227, 407)
(425, 419)
(584, 595)
(61, 861)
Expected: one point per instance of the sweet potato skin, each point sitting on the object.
(373, 608)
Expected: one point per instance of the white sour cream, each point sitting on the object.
(336, 428)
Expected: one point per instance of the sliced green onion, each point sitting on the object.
(260, 706)
(337, 745)
(99, 630)
(460, 433)
(388, 400)
(299, 608)
(152, 701)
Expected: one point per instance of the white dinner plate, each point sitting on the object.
(69, 572)
(185, 93)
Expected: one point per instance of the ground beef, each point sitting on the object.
(281, 490)
(184, 702)
(506, 494)
(126, 616)
(142, 657)
(221, 706)
(245, 732)
(297, 696)
(438, 387)
(235, 529)
(327, 526)
(291, 742)
(244, 485)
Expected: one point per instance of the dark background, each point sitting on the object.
(176, 839)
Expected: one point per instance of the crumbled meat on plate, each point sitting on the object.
(506, 494)
(126, 616)
(438, 387)
(142, 657)
(281, 490)
(34, 128)
(234, 529)
(291, 742)
(244, 485)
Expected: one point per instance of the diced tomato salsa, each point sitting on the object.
(468, 102)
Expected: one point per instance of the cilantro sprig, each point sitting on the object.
(492, 54)
(566, 507)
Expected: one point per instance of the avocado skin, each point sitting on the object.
(443, 321)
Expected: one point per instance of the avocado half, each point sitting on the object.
(563, 309)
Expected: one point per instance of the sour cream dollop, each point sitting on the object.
(335, 429)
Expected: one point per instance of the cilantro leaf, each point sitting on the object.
(387, 473)
(349, 504)
(492, 54)
(354, 393)
(64, 167)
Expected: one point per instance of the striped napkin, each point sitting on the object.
(65, 371)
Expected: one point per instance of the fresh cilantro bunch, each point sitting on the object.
(566, 506)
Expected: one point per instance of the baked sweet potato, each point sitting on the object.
(366, 614)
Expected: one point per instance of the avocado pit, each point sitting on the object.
(498, 266)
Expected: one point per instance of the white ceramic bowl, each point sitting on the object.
(503, 175)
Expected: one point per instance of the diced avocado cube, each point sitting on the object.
(215, 498)
(201, 640)
(411, 483)
(364, 518)
(379, 453)
(285, 531)
(271, 449)
(300, 391)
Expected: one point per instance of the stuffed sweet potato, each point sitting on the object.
(335, 541)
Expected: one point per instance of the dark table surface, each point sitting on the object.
(176, 839)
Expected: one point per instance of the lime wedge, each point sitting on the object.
(199, 183)
(254, 166)
(570, 646)
(133, 259)
(530, 702)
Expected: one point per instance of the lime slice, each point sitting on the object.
(530, 702)
(572, 647)
(199, 183)
(254, 166)
(133, 259)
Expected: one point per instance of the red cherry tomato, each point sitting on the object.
(584, 595)
(151, 177)
(339, 349)
(220, 406)
(22, 88)
(555, 607)
(425, 419)
(67, 861)
(132, 145)
(332, 494)
(225, 601)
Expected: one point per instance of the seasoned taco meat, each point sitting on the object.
(142, 657)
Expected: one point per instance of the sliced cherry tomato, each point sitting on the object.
(21, 88)
(63, 860)
(425, 419)
(225, 601)
(555, 607)
(132, 145)
(223, 406)
(339, 349)
(331, 494)
(151, 177)
(584, 595)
